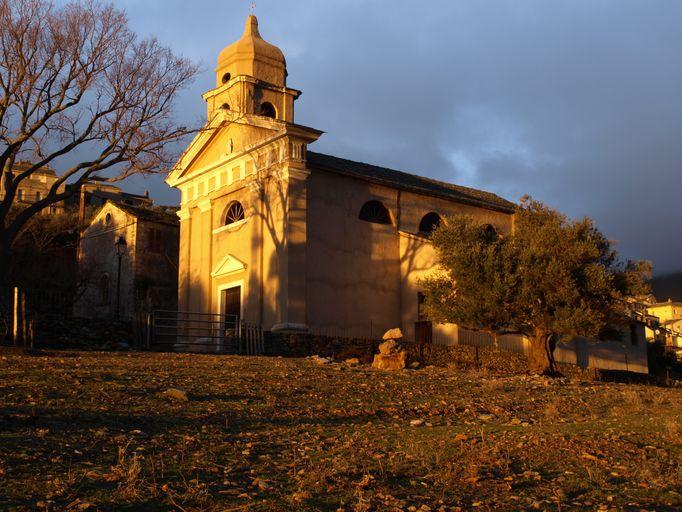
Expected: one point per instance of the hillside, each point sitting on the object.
(95, 431)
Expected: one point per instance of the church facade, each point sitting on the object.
(293, 239)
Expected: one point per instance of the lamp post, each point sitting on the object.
(120, 246)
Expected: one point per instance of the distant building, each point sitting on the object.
(669, 316)
(148, 242)
(35, 187)
(97, 192)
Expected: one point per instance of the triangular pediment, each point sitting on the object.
(223, 138)
(228, 265)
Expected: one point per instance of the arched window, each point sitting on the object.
(225, 106)
(107, 218)
(268, 110)
(429, 222)
(489, 232)
(226, 78)
(104, 289)
(376, 212)
(234, 213)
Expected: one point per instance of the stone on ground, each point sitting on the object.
(176, 394)
(393, 334)
(320, 360)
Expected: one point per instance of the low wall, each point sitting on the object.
(458, 356)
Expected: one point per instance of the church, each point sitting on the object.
(291, 239)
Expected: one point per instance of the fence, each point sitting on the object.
(505, 343)
(203, 332)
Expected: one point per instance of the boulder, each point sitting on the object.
(389, 347)
(393, 334)
(394, 361)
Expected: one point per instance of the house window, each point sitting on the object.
(154, 241)
(104, 296)
(421, 299)
(20, 195)
(429, 222)
(633, 334)
(234, 213)
(38, 196)
(268, 110)
(489, 232)
(375, 212)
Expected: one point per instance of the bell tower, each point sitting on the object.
(251, 79)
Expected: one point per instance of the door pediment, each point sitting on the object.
(228, 265)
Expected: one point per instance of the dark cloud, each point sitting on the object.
(575, 102)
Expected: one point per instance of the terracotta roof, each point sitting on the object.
(160, 214)
(411, 182)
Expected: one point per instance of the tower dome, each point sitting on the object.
(252, 56)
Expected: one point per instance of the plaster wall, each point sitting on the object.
(266, 252)
(353, 281)
(363, 278)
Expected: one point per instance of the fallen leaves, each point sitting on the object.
(270, 434)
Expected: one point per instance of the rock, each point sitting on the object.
(486, 417)
(320, 360)
(414, 365)
(461, 437)
(176, 394)
(352, 361)
(389, 347)
(393, 334)
(416, 423)
(390, 361)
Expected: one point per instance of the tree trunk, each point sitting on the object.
(541, 356)
(538, 360)
(5, 289)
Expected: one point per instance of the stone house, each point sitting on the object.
(293, 239)
(148, 262)
(35, 187)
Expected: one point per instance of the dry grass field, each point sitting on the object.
(95, 431)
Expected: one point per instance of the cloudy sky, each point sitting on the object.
(574, 102)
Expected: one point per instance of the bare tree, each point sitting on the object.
(76, 84)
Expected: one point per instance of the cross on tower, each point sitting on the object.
(252, 6)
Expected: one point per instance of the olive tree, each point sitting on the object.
(550, 277)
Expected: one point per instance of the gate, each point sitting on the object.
(183, 331)
(423, 335)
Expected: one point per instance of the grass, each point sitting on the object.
(93, 431)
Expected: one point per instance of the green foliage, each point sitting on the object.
(551, 277)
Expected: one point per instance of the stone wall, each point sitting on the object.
(457, 356)
(460, 357)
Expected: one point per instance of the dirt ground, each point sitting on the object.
(95, 431)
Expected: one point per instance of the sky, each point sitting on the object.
(576, 103)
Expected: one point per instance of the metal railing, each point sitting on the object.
(185, 331)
